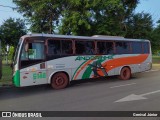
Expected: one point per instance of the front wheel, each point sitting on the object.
(125, 74)
(59, 81)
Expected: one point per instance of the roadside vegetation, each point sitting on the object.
(6, 75)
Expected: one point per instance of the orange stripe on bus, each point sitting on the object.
(117, 62)
(89, 61)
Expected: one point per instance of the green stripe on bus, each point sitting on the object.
(78, 69)
(16, 79)
(88, 71)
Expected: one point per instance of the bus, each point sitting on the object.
(59, 59)
(0, 61)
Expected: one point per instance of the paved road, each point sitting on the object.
(108, 94)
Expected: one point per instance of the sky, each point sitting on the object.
(147, 6)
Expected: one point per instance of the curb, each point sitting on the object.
(6, 85)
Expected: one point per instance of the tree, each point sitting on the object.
(81, 17)
(88, 17)
(11, 30)
(139, 25)
(155, 39)
(41, 14)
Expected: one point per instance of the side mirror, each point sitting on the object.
(26, 47)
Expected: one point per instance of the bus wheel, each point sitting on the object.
(59, 81)
(125, 74)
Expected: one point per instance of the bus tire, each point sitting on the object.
(59, 81)
(125, 73)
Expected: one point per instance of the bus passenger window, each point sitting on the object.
(80, 47)
(109, 48)
(67, 47)
(90, 49)
(122, 47)
(136, 47)
(85, 47)
(105, 48)
(54, 47)
(101, 47)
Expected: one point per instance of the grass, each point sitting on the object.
(6, 75)
(7, 71)
(156, 59)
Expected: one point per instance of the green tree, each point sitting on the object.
(139, 25)
(11, 30)
(81, 17)
(96, 17)
(41, 14)
(155, 39)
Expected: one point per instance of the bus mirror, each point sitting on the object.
(26, 47)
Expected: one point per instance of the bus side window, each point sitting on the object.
(80, 47)
(137, 47)
(101, 47)
(54, 47)
(90, 48)
(122, 47)
(85, 47)
(67, 47)
(105, 48)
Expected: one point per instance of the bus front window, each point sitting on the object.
(33, 52)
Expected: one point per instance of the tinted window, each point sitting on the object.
(145, 47)
(67, 47)
(54, 47)
(122, 47)
(85, 47)
(136, 47)
(105, 47)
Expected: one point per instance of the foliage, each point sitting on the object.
(6, 75)
(41, 14)
(105, 17)
(155, 39)
(139, 26)
(81, 17)
(11, 31)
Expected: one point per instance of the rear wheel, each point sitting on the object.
(59, 81)
(125, 74)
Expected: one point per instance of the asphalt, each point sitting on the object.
(88, 95)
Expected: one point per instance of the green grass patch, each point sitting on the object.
(6, 75)
(156, 59)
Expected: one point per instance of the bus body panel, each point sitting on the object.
(81, 69)
(33, 75)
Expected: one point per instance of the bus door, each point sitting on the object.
(32, 63)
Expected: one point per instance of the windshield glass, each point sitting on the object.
(16, 53)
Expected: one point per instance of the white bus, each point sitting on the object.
(59, 59)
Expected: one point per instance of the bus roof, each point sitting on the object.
(95, 37)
